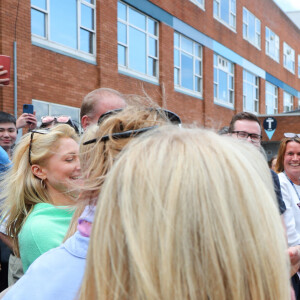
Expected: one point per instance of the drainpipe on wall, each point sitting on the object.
(15, 82)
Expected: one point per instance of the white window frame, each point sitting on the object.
(288, 102)
(195, 58)
(275, 98)
(223, 64)
(197, 2)
(232, 13)
(45, 41)
(255, 91)
(126, 68)
(257, 29)
(288, 56)
(273, 41)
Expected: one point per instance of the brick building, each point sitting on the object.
(204, 59)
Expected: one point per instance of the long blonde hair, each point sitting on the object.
(97, 158)
(20, 188)
(187, 214)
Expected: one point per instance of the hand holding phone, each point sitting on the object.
(27, 108)
(28, 118)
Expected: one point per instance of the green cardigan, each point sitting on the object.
(44, 229)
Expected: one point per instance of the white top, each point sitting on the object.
(292, 214)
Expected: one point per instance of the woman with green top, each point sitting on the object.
(39, 189)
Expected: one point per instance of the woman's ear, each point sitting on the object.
(39, 172)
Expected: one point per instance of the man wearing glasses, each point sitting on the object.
(246, 126)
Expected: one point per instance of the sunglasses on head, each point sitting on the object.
(291, 135)
(59, 119)
(173, 118)
(120, 135)
(48, 120)
(39, 131)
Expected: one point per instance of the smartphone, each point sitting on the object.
(28, 108)
(5, 62)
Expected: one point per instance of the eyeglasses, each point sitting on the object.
(121, 135)
(40, 131)
(59, 119)
(173, 118)
(291, 135)
(243, 135)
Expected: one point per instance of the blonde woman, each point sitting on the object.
(180, 217)
(58, 273)
(38, 190)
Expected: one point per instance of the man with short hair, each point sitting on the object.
(9, 126)
(98, 102)
(246, 126)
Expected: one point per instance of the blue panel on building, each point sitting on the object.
(152, 10)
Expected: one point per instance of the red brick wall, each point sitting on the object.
(284, 124)
(49, 76)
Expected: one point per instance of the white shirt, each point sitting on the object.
(292, 214)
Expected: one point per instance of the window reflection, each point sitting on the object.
(137, 41)
(137, 59)
(38, 23)
(64, 22)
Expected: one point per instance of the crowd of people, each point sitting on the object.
(141, 206)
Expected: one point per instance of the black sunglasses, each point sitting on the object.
(120, 135)
(173, 118)
(40, 131)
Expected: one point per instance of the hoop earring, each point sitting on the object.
(43, 185)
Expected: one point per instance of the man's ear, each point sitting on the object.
(85, 122)
(39, 172)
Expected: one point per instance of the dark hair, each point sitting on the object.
(7, 118)
(243, 116)
(271, 161)
(224, 130)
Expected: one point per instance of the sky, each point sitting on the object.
(288, 5)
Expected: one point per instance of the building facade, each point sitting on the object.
(204, 59)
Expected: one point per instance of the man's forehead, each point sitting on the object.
(247, 126)
(109, 103)
(7, 126)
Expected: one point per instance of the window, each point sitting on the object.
(68, 25)
(137, 42)
(223, 81)
(250, 92)
(288, 58)
(251, 28)
(43, 108)
(272, 44)
(271, 99)
(225, 11)
(200, 3)
(187, 64)
(287, 102)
